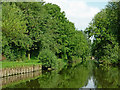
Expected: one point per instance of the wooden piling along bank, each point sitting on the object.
(19, 70)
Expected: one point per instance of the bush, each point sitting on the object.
(48, 59)
(14, 54)
(9, 53)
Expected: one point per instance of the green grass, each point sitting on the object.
(14, 64)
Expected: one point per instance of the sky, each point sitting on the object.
(80, 12)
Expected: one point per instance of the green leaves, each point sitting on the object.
(47, 58)
(41, 30)
(104, 28)
(14, 25)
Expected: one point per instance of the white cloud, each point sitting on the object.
(77, 11)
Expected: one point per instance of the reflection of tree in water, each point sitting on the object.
(71, 77)
(49, 80)
(106, 78)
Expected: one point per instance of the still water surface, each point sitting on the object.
(86, 75)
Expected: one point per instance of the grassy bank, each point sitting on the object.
(14, 64)
(8, 64)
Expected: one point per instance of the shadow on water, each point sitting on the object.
(85, 75)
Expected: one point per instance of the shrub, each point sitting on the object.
(14, 54)
(9, 53)
(48, 58)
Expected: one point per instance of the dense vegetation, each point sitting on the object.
(41, 31)
(38, 32)
(105, 29)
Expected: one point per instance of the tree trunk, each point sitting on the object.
(29, 55)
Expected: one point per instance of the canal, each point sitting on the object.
(85, 75)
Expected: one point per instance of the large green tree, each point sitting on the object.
(14, 37)
(40, 30)
(104, 28)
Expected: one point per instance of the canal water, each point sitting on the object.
(85, 75)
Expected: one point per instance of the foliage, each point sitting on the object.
(47, 58)
(13, 31)
(81, 45)
(39, 29)
(104, 28)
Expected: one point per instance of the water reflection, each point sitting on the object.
(90, 84)
(85, 75)
(106, 77)
(17, 78)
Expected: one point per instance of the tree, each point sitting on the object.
(36, 29)
(13, 28)
(104, 28)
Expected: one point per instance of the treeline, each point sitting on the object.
(105, 28)
(40, 30)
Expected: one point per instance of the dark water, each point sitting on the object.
(86, 75)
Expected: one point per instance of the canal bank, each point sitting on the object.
(19, 70)
(85, 75)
